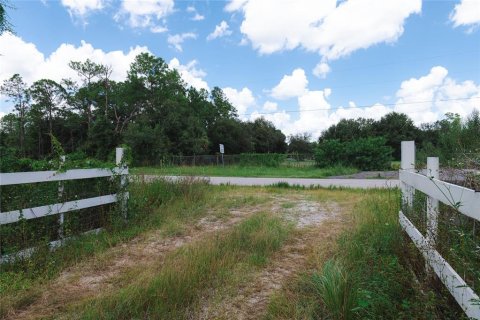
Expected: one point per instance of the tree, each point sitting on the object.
(395, 128)
(16, 90)
(349, 129)
(89, 71)
(5, 25)
(266, 138)
(233, 134)
(300, 143)
(48, 97)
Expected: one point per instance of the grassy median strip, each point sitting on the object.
(167, 291)
(247, 171)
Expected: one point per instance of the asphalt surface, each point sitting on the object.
(326, 183)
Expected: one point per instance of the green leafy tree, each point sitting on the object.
(16, 91)
(349, 129)
(5, 25)
(266, 138)
(48, 97)
(395, 128)
(301, 144)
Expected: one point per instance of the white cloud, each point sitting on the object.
(221, 30)
(190, 74)
(198, 17)
(158, 29)
(290, 86)
(428, 98)
(19, 56)
(270, 106)
(241, 100)
(321, 70)
(80, 8)
(145, 13)
(176, 40)
(466, 13)
(322, 26)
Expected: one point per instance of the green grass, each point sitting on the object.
(163, 205)
(166, 292)
(369, 277)
(247, 171)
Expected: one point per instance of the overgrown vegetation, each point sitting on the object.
(150, 206)
(364, 153)
(262, 159)
(369, 277)
(184, 275)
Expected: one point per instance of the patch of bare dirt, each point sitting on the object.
(94, 276)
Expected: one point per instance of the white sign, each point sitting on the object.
(222, 149)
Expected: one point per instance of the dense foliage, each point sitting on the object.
(364, 153)
(262, 159)
(449, 138)
(153, 111)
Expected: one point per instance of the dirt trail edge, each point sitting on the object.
(319, 224)
(92, 277)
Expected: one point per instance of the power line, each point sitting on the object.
(357, 107)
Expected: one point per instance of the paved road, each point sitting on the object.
(345, 183)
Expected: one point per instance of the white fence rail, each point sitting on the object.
(15, 178)
(466, 201)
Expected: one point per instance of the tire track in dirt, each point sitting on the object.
(91, 278)
(318, 224)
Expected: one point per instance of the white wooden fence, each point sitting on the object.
(59, 209)
(466, 201)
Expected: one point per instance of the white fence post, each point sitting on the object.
(432, 203)
(61, 188)
(119, 154)
(407, 164)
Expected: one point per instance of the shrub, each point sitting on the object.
(262, 159)
(364, 153)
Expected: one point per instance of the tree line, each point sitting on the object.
(153, 111)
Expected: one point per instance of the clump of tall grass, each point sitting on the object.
(335, 289)
(167, 292)
(368, 278)
(151, 205)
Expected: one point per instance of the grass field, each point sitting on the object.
(193, 251)
(247, 171)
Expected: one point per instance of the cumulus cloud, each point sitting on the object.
(176, 40)
(80, 8)
(290, 86)
(197, 16)
(269, 106)
(321, 70)
(240, 99)
(19, 56)
(329, 28)
(221, 30)
(466, 13)
(145, 13)
(190, 74)
(428, 98)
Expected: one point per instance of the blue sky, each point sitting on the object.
(303, 64)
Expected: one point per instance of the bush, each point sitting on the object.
(262, 159)
(364, 154)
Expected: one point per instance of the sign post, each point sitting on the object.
(222, 151)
